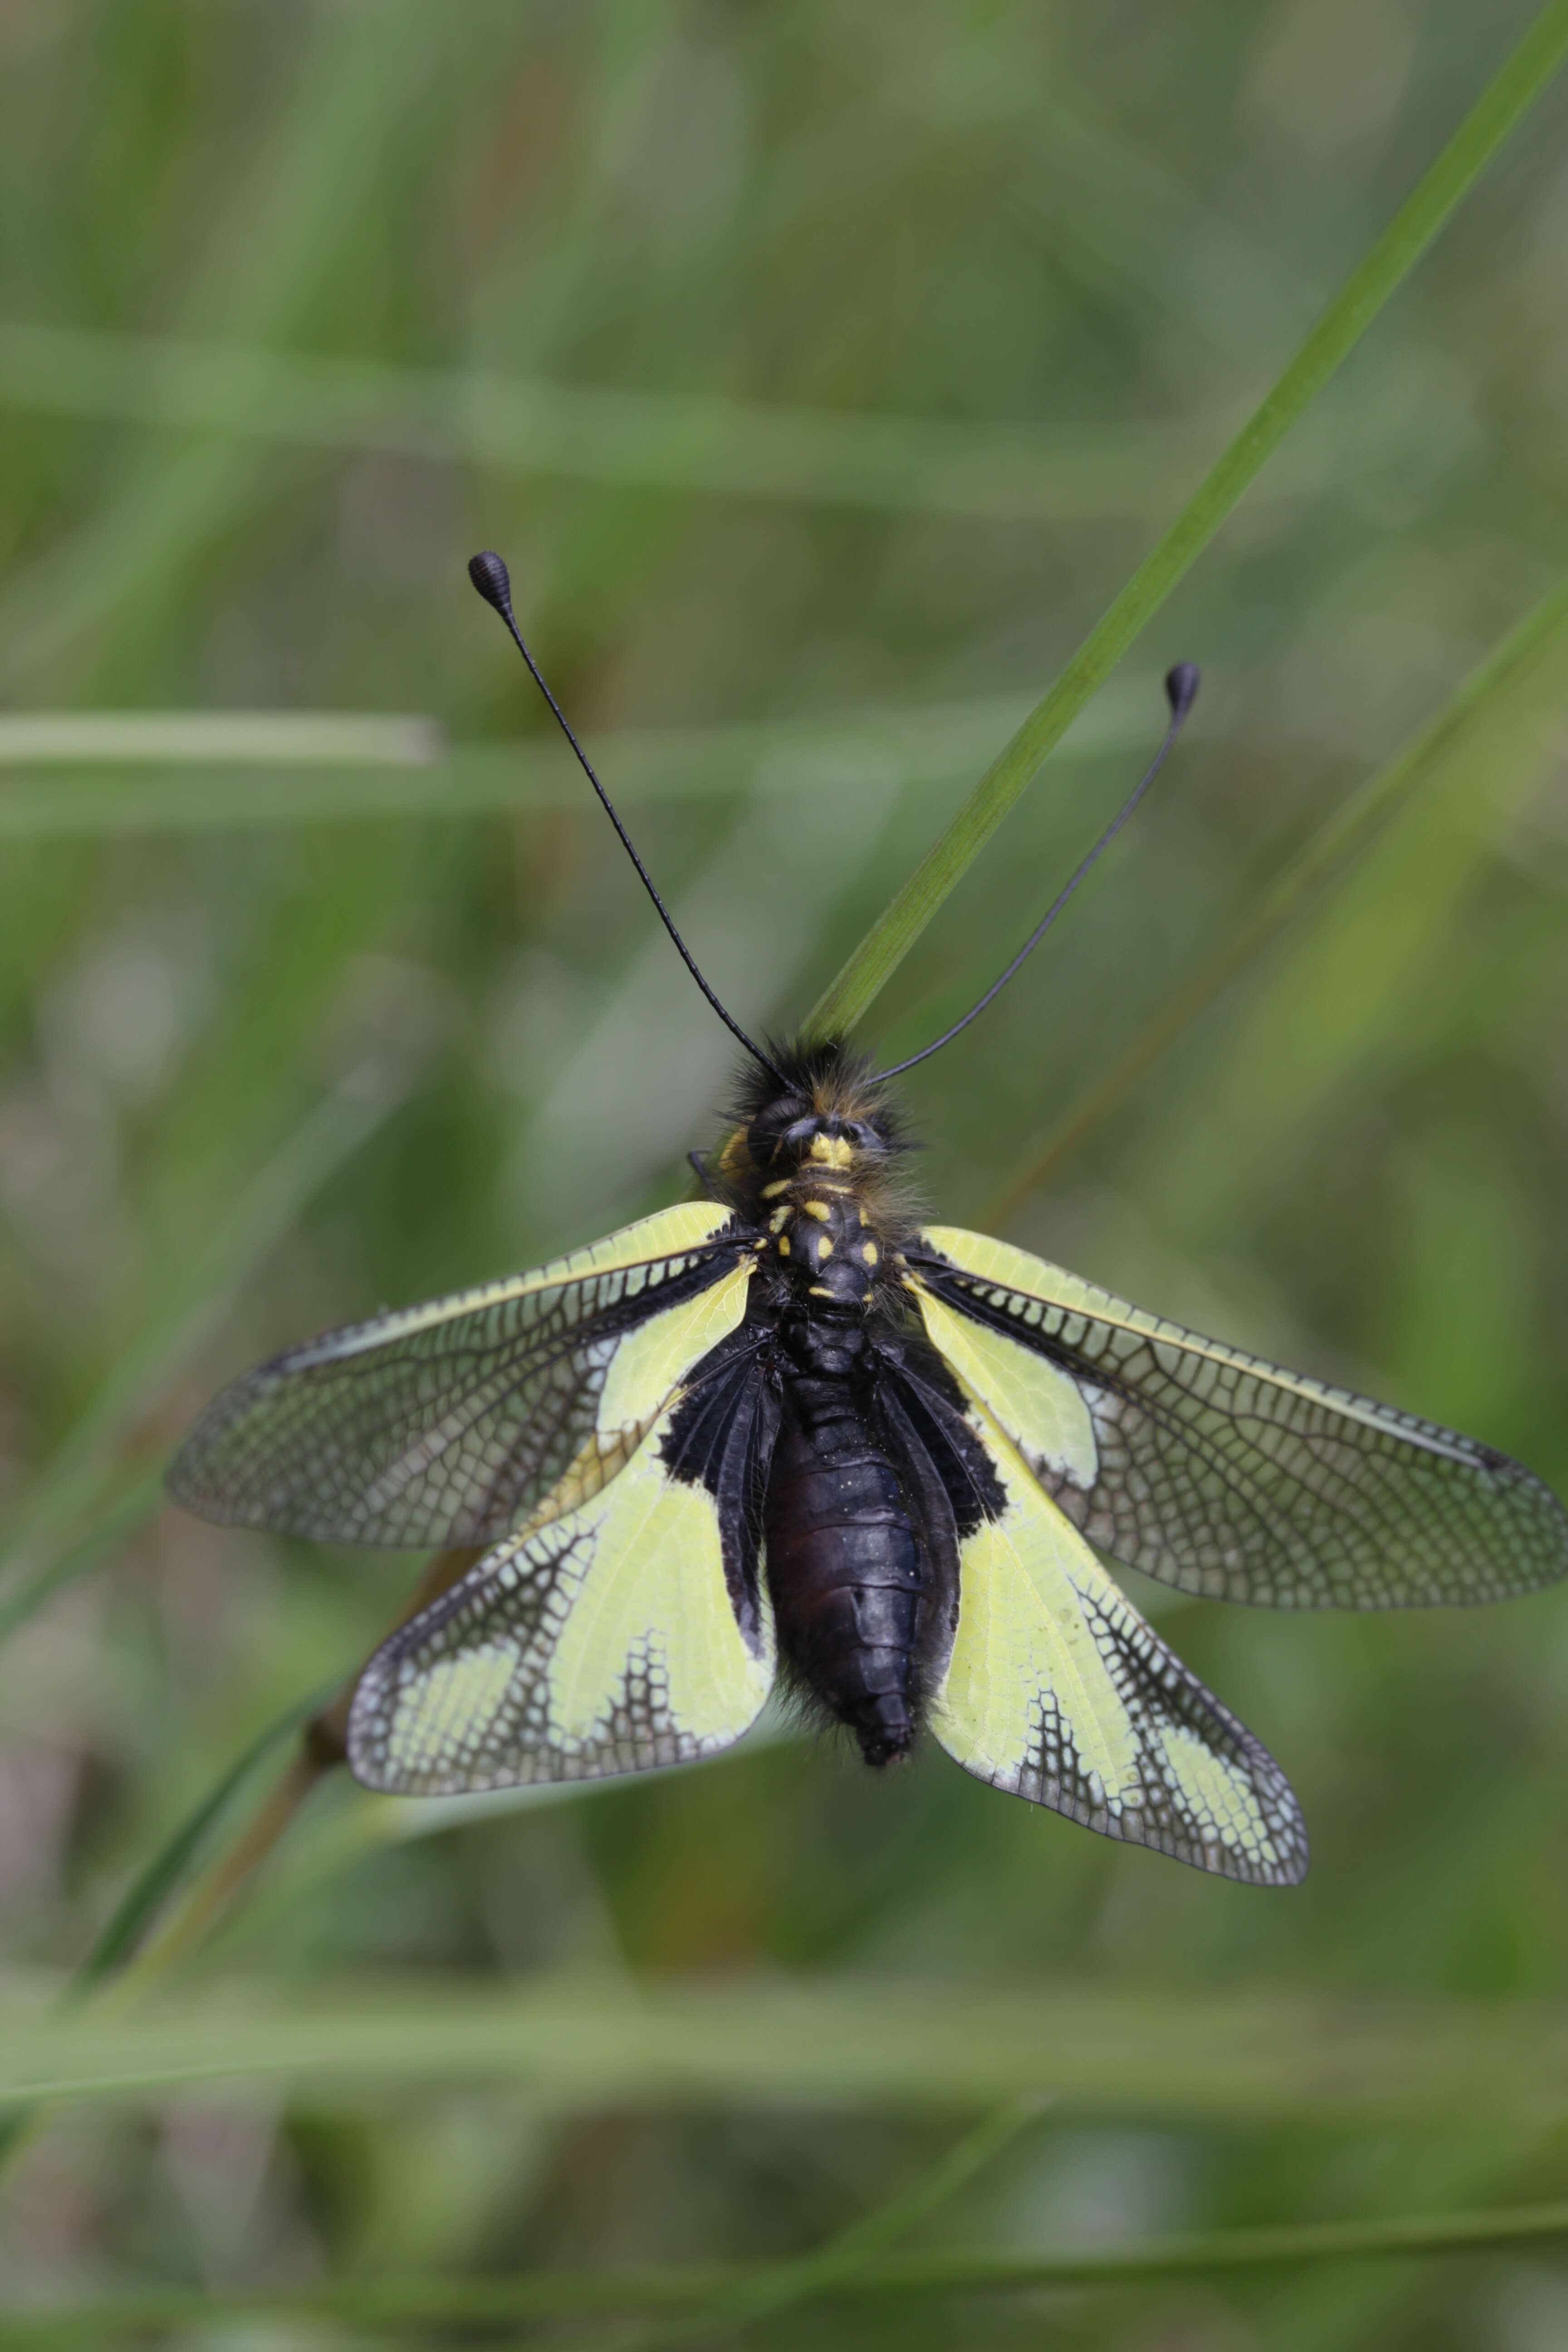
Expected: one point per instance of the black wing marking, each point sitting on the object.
(445, 1424)
(721, 1437)
(1235, 1479)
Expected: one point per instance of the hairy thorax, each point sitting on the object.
(811, 1171)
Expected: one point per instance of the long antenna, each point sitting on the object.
(1182, 692)
(492, 578)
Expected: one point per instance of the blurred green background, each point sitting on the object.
(822, 372)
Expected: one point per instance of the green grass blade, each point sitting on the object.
(145, 1897)
(728, 449)
(837, 2045)
(280, 241)
(252, 737)
(1514, 89)
(133, 1914)
(1327, 853)
(106, 773)
(101, 1542)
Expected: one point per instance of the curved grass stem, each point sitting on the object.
(1330, 850)
(786, 2287)
(1511, 92)
(127, 1955)
(323, 1721)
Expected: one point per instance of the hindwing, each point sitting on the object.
(1215, 1472)
(1057, 1690)
(629, 1631)
(447, 1423)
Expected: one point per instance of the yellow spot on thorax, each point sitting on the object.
(833, 1150)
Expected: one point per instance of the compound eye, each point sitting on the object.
(768, 1135)
(863, 1137)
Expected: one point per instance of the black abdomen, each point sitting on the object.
(846, 1568)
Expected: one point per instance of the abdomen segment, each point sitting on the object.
(846, 1568)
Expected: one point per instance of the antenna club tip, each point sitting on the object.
(1180, 686)
(493, 581)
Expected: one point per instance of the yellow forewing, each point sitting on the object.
(607, 1641)
(650, 1361)
(1057, 1690)
(642, 1374)
(1040, 1407)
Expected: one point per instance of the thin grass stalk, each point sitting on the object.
(719, 447)
(115, 1944)
(322, 1718)
(125, 1956)
(266, 250)
(421, 2303)
(845, 2255)
(120, 1936)
(266, 739)
(1329, 852)
(136, 790)
(111, 1528)
(266, 1827)
(1508, 97)
(51, 1508)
